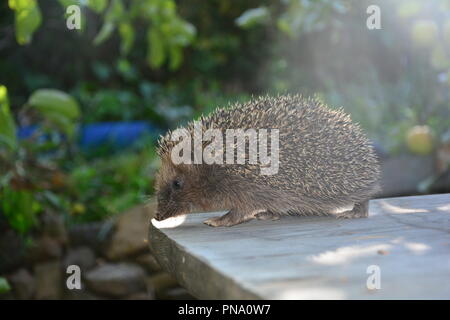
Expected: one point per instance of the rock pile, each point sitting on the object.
(113, 260)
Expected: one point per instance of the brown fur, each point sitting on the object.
(326, 162)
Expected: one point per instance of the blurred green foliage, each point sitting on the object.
(25, 165)
(4, 285)
(46, 172)
(7, 124)
(60, 110)
(20, 208)
(109, 185)
(167, 33)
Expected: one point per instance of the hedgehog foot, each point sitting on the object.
(360, 210)
(232, 218)
(267, 215)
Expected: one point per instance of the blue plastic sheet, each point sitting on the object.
(115, 135)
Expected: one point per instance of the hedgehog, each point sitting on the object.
(326, 165)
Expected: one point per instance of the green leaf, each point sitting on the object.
(156, 52)
(66, 3)
(176, 57)
(7, 124)
(113, 15)
(55, 102)
(4, 285)
(284, 26)
(27, 19)
(126, 69)
(181, 33)
(104, 33)
(126, 32)
(253, 17)
(97, 5)
(116, 10)
(64, 124)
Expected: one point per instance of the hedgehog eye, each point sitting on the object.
(176, 184)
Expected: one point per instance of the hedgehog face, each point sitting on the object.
(171, 187)
(176, 191)
(170, 200)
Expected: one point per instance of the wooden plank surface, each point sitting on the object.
(408, 238)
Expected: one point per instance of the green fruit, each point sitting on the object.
(419, 140)
(78, 208)
(424, 32)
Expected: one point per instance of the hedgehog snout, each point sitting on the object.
(161, 214)
(171, 209)
(158, 217)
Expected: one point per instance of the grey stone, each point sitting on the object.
(161, 282)
(84, 257)
(130, 236)
(48, 280)
(23, 284)
(95, 235)
(12, 249)
(116, 280)
(178, 293)
(81, 294)
(43, 249)
(149, 262)
(53, 225)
